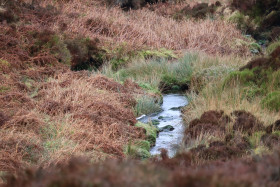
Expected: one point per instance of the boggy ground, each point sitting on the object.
(50, 114)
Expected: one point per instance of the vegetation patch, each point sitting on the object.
(157, 74)
(273, 46)
(161, 53)
(147, 105)
(272, 101)
(139, 149)
(151, 132)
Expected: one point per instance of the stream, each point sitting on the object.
(169, 139)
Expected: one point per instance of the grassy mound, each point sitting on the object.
(261, 76)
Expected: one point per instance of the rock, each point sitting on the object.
(155, 122)
(166, 128)
(160, 117)
(176, 108)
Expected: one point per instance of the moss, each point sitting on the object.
(255, 138)
(272, 101)
(137, 152)
(161, 53)
(151, 132)
(139, 149)
(143, 144)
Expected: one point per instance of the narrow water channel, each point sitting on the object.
(169, 139)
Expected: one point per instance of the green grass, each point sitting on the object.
(161, 53)
(146, 105)
(139, 149)
(272, 47)
(154, 72)
(255, 138)
(151, 132)
(4, 89)
(272, 101)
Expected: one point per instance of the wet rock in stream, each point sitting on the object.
(166, 128)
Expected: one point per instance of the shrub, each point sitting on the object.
(85, 54)
(8, 15)
(272, 101)
(242, 21)
(48, 40)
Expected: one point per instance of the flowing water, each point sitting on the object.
(170, 115)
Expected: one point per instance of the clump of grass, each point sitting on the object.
(139, 149)
(151, 132)
(272, 46)
(272, 101)
(255, 138)
(161, 53)
(243, 77)
(146, 105)
(149, 88)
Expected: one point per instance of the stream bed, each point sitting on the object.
(169, 139)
